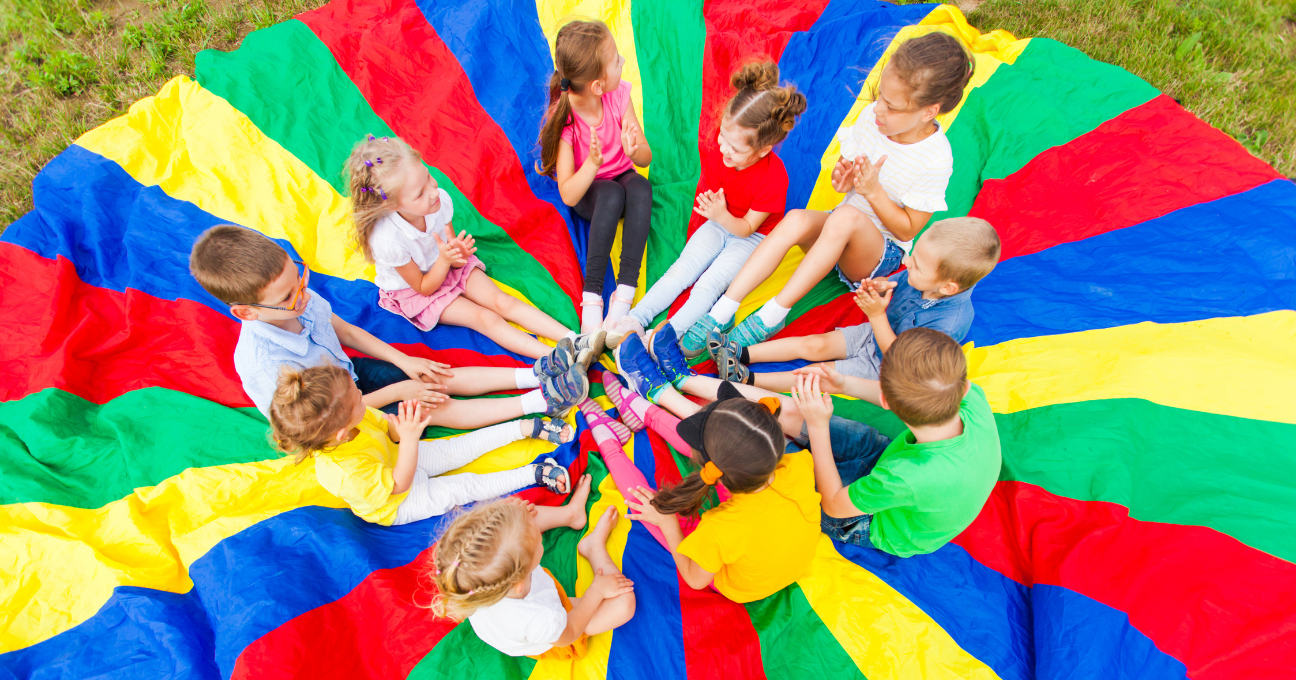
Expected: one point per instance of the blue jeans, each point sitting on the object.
(892, 256)
(709, 262)
(856, 448)
(375, 374)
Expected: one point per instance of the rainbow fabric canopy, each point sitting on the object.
(1136, 344)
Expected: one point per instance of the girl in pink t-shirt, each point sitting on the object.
(590, 143)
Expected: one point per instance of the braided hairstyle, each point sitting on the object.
(483, 554)
(309, 407)
(768, 111)
(375, 174)
(936, 67)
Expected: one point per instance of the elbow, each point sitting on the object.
(698, 581)
(839, 508)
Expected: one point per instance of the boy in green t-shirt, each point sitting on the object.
(912, 495)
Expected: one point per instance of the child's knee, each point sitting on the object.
(816, 347)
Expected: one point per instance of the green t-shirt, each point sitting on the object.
(923, 495)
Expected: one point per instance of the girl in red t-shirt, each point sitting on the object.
(742, 196)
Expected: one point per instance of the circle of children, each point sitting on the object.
(783, 467)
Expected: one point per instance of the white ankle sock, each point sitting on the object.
(773, 314)
(619, 306)
(591, 310)
(571, 335)
(724, 309)
(526, 378)
(533, 402)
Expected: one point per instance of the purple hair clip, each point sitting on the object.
(371, 138)
(368, 164)
(385, 139)
(383, 194)
(378, 160)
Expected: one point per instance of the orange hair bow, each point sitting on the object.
(772, 404)
(711, 474)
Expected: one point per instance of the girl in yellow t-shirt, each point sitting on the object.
(763, 538)
(376, 463)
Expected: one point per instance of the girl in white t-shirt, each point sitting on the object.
(425, 272)
(894, 168)
(486, 568)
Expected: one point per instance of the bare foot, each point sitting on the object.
(597, 539)
(576, 504)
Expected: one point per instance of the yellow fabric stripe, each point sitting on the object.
(883, 632)
(1195, 365)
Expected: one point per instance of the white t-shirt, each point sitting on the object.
(525, 626)
(395, 242)
(914, 175)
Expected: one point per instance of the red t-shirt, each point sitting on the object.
(762, 187)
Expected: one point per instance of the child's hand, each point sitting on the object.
(423, 393)
(870, 301)
(629, 137)
(449, 253)
(595, 153)
(425, 370)
(843, 175)
(866, 180)
(608, 586)
(712, 205)
(815, 406)
(829, 378)
(467, 244)
(643, 509)
(410, 420)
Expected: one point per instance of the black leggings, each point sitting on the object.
(603, 205)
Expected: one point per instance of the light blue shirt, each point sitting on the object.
(951, 315)
(264, 348)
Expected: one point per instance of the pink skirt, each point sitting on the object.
(424, 311)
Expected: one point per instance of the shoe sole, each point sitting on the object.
(590, 355)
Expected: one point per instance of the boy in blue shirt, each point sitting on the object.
(933, 291)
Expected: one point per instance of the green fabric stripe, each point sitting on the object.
(794, 641)
(56, 447)
(318, 115)
(1050, 96)
(669, 40)
(461, 654)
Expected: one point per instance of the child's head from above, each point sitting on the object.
(925, 77)
(760, 114)
(586, 63)
(386, 174)
(953, 255)
(314, 409)
(924, 377)
(742, 439)
(483, 556)
(250, 273)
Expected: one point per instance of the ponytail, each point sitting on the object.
(578, 59)
(761, 106)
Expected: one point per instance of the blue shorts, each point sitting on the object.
(892, 256)
(375, 374)
(856, 448)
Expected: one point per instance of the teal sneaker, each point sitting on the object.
(694, 341)
(752, 331)
(638, 368)
(665, 350)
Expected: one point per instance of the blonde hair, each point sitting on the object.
(969, 249)
(308, 409)
(482, 555)
(763, 107)
(578, 57)
(235, 264)
(374, 172)
(924, 377)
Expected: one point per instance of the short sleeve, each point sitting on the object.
(387, 250)
(702, 547)
(365, 483)
(771, 196)
(880, 490)
(568, 134)
(927, 192)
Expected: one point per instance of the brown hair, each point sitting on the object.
(374, 171)
(235, 264)
(744, 440)
(480, 557)
(763, 107)
(924, 377)
(936, 67)
(578, 57)
(308, 409)
(969, 249)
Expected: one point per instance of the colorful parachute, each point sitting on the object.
(1136, 344)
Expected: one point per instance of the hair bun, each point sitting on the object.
(791, 105)
(757, 75)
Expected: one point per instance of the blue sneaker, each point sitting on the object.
(638, 368)
(557, 362)
(752, 331)
(563, 393)
(665, 350)
(694, 341)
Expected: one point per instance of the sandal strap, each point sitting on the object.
(548, 472)
(552, 430)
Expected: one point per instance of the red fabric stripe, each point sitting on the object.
(98, 343)
(1161, 575)
(838, 313)
(416, 85)
(1149, 161)
(719, 639)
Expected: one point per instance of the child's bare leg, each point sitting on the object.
(616, 611)
(482, 290)
(677, 403)
(798, 228)
(848, 236)
(473, 380)
(470, 414)
(464, 312)
(775, 382)
(570, 515)
(708, 388)
(819, 347)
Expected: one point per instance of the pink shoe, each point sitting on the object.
(618, 394)
(595, 415)
(587, 328)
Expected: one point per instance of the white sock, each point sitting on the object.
(773, 314)
(724, 309)
(533, 402)
(571, 335)
(591, 310)
(526, 378)
(619, 306)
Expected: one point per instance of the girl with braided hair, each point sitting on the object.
(486, 568)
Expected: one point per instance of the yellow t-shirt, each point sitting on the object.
(760, 543)
(360, 471)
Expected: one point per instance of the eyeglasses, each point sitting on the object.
(299, 293)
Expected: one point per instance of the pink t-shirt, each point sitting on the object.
(615, 160)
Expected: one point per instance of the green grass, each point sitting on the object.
(66, 66)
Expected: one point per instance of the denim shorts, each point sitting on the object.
(375, 374)
(856, 448)
(892, 256)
